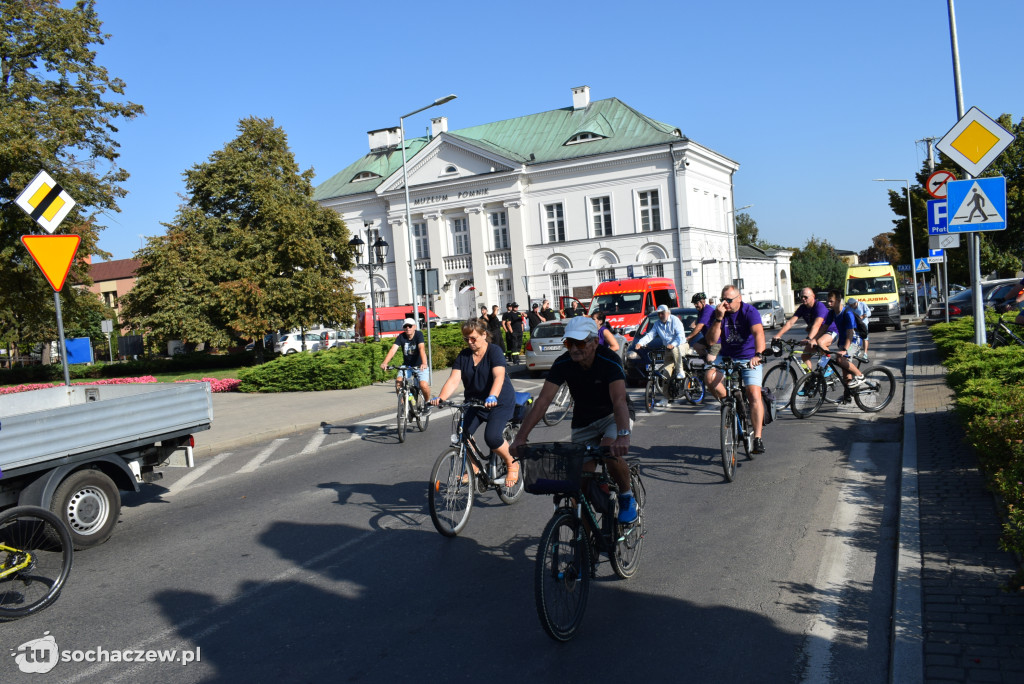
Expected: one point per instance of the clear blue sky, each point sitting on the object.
(812, 98)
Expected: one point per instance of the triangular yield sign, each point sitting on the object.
(53, 254)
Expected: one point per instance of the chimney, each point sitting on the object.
(438, 125)
(580, 97)
(383, 138)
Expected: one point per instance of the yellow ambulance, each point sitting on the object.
(875, 284)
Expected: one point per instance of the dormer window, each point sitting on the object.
(583, 137)
(364, 176)
(450, 169)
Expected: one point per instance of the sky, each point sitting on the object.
(813, 99)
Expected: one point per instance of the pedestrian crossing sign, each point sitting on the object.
(977, 204)
(922, 266)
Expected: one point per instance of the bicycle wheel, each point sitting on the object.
(742, 436)
(728, 434)
(451, 492)
(651, 394)
(509, 495)
(559, 406)
(780, 379)
(421, 415)
(562, 576)
(626, 558)
(35, 560)
(693, 389)
(403, 415)
(808, 395)
(880, 389)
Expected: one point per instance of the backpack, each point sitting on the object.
(770, 409)
(862, 326)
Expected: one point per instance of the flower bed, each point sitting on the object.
(216, 384)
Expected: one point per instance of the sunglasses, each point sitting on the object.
(804, 297)
(470, 339)
(577, 344)
(408, 326)
(728, 300)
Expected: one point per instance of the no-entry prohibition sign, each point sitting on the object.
(936, 183)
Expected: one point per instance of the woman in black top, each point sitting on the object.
(481, 369)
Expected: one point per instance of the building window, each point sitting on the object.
(110, 299)
(555, 222)
(365, 175)
(605, 274)
(460, 236)
(601, 210)
(559, 285)
(419, 234)
(586, 136)
(499, 226)
(650, 211)
(380, 298)
(654, 270)
(504, 288)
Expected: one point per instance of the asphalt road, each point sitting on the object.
(313, 557)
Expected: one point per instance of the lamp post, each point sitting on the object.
(910, 228)
(736, 239)
(374, 262)
(408, 209)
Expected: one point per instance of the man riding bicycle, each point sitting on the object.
(597, 384)
(698, 338)
(413, 354)
(738, 326)
(847, 341)
(813, 313)
(670, 331)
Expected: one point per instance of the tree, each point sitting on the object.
(746, 229)
(58, 110)
(881, 249)
(249, 252)
(816, 266)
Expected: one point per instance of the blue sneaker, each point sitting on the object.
(627, 508)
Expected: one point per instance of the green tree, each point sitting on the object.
(248, 252)
(746, 229)
(881, 249)
(815, 265)
(58, 111)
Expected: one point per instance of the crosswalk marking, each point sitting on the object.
(258, 460)
(195, 474)
(314, 443)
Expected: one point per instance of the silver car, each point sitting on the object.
(545, 346)
(771, 312)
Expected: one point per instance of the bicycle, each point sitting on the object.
(560, 405)
(783, 376)
(735, 422)
(462, 468)
(1001, 336)
(826, 381)
(36, 552)
(689, 387)
(584, 525)
(411, 406)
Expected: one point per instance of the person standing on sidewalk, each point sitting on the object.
(534, 317)
(410, 341)
(494, 328)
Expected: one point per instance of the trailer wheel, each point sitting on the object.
(88, 501)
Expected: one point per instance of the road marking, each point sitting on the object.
(195, 474)
(314, 443)
(262, 456)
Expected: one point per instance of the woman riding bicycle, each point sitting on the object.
(605, 336)
(482, 370)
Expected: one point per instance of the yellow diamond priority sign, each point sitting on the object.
(975, 142)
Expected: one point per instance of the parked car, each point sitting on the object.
(292, 342)
(268, 342)
(772, 314)
(334, 338)
(962, 304)
(545, 345)
(635, 362)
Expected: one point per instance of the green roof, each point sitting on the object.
(531, 139)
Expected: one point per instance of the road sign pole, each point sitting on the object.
(60, 333)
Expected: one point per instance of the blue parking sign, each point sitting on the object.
(937, 217)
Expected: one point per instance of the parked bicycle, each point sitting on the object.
(583, 526)
(826, 384)
(560, 406)
(462, 469)
(35, 560)
(689, 387)
(1000, 334)
(735, 428)
(411, 407)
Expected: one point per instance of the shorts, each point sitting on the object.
(751, 376)
(421, 374)
(601, 428)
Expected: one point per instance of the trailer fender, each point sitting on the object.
(40, 491)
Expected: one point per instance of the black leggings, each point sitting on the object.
(495, 419)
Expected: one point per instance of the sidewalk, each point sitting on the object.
(969, 629)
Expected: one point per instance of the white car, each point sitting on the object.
(292, 342)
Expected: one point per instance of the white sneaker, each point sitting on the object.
(856, 383)
(661, 403)
(680, 375)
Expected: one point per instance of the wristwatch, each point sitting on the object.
(624, 433)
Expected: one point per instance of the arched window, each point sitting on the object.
(450, 169)
(364, 176)
(585, 136)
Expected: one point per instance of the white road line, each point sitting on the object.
(314, 442)
(258, 460)
(195, 474)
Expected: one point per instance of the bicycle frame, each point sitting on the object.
(1001, 335)
(469, 450)
(25, 560)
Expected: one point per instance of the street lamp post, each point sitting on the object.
(408, 209)
(910, 229)
(374, 262)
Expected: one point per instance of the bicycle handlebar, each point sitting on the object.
(468, 403)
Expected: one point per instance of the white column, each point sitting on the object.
(402, 253)
(478, 243)
(517, 241)
(438, 250)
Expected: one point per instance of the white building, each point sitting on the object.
(545, 205)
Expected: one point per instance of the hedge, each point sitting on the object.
(989, 387)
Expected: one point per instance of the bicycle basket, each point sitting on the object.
(552, 467)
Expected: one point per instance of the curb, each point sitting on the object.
(906, 659)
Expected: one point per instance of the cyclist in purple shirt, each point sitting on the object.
(813, 314)
(698, 338)
(738, 326)
(847, 341)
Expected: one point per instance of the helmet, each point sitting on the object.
(698, 297)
